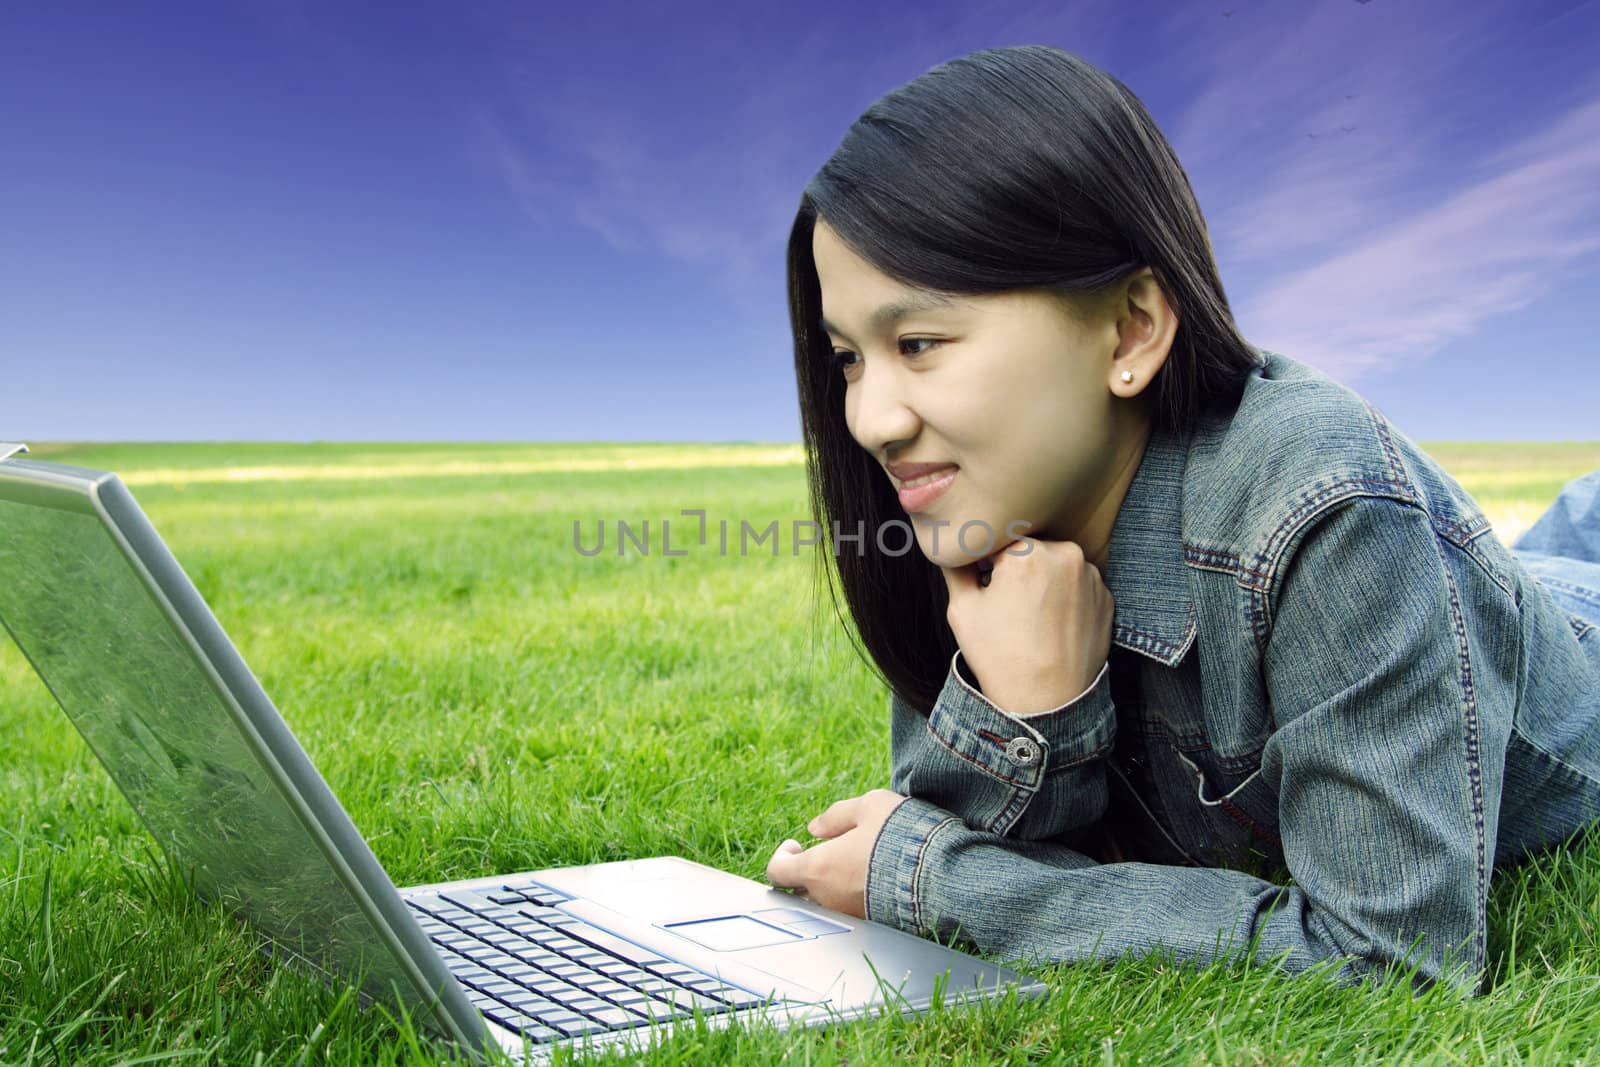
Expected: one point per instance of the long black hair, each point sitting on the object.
(1002, 169)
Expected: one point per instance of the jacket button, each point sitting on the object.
(1023, 751)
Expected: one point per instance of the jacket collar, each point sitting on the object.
(1145, 569)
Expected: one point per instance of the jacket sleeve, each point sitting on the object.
(1025, 777)
(1385, 802)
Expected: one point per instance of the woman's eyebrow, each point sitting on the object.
(889, 314)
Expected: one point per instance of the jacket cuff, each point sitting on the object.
(1021, 749)
(890, 894)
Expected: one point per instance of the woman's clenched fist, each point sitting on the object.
(1037, 630)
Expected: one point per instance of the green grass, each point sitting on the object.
(483, 699)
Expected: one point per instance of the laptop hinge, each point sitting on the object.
(8, 449)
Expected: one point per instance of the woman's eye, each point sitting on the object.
(844, 360)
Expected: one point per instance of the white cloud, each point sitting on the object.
(1490, 248)
(1350, 167)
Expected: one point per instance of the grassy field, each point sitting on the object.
(483, 698)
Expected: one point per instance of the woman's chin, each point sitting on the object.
(948, 556)
(953, 550)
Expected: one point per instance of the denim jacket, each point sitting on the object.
(1323, 663)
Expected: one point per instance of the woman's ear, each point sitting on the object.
(1146, 327)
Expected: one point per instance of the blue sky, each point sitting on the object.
(483, 220)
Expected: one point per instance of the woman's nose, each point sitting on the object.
(877, 412)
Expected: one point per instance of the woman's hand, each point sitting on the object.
(1037, 634)
(834, 873)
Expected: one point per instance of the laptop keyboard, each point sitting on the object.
(541, 972)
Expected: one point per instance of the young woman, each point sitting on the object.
(1164, 616)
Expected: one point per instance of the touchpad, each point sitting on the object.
(729, 933)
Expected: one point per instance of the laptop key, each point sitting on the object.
(497, 960)
(690, 999)
(655, 986)
(527, 1025)
(546, 897)
(617, 1018)
(739, 998)
(473, 974)
(662, 1011)
(572, 1025)
(510, 1018)
(541, 912)
(712, 987)
(540, 1034)
(566, 994)
(539, 1007)
(531, 932)
(499, 989)
(542, 960)
(705, 987)
(548, 984)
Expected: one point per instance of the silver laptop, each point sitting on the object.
(528, 962)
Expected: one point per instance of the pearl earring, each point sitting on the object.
(1127, 377)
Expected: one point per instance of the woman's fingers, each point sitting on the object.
(845, 815)
(786, 868)
(840, 816)
(978, 573)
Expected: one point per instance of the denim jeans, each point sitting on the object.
(1562, 549)
(1323, 663)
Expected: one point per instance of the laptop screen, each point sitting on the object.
(107, 643)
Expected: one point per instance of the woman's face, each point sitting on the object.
(1007, 390)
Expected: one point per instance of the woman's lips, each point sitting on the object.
(925, 490)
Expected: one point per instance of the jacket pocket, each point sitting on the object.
(1246, 800)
